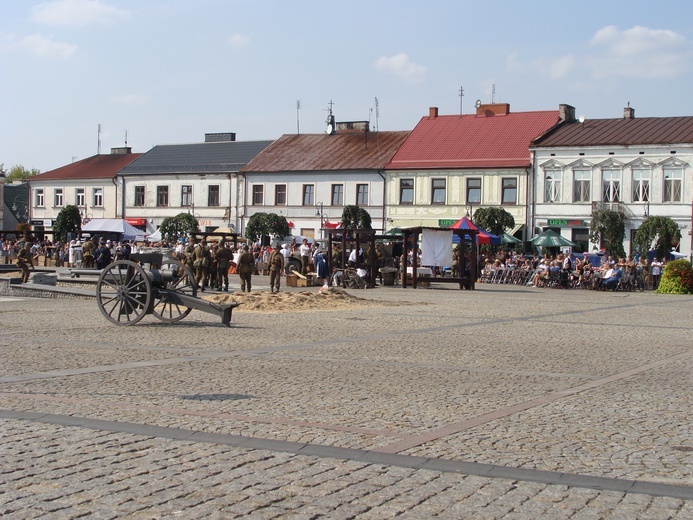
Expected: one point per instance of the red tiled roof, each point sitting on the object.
(322, 152)
(102, 166)
(473, 141)
(622, 131)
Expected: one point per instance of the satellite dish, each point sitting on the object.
(478, 103)
(330, 129)
(581, 119)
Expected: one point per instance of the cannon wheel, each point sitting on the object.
(185, 283)
(123, 292)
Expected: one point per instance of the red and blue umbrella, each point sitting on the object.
(483, 236)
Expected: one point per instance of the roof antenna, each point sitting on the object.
(126, 138)
(493, 94)
(461, 96)
(330, 119)
(98, 144)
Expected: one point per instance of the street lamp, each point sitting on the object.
(323, 216)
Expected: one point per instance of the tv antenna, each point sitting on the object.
(330, 119)
(461, 96)
(493, 93)
(98, 139)
(298, 125)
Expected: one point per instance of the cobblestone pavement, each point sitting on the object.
(504, 402)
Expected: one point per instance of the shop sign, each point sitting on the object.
(446, 222)
(136, 221)
(562, 222)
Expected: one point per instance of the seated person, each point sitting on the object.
(611, 281)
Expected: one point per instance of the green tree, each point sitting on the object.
(660, 232)
(18, 173)
(181, 225)
(68, 221)
(355, 217)
(494, 220)
(261, 225)
(608, 230)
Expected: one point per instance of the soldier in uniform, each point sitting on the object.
(24, 261)
(245, 268)
(276, 266)
(188, 259)
(201, 261)
(223, 257)
(88, 254)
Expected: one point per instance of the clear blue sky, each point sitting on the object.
(167, 71)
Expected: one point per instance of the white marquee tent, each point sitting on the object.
(113, 225)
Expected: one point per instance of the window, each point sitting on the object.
(186, 196)
(473, 191)
(98, 197)
(406, 191)
(258, 194)
(552, 185)
(39, 198)
(641, 185)
(213, 198)
(58, 197)
(362, 194)
(139, 196)
(673, 181)
(611, 186)
(338, 194)
(308, 195)
(509, 195)
(80, 197)
(581, 185)
(162, 195)
(438, 191)
(280, 195)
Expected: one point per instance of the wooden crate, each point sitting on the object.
(291, 280)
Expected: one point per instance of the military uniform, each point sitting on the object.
(276, 266)
(24, 261)
(245, 267)
(223, 258)
(88, 254)
(201, 259)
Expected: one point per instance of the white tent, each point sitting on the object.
(113, 225)
(155, 237)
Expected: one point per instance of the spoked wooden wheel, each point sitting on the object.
(183, 282)
(123, 292)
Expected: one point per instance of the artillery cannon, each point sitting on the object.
(127, 290)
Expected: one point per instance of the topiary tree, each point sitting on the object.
(261, 225)
(608, 230)
(494, 220)
(677, 278)
(355, 217)
(68, 221)
(183, 224)
(659, 234)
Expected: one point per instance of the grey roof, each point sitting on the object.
(224, 157)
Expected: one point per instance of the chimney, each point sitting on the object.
(566, 113)
(628, 112)
(493, 109)
(223, 137)
(122, 150)
(432, 112)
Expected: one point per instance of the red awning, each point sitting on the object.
(136, 221)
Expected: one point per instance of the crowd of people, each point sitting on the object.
(598, 272)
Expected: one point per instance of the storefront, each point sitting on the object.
(579, 231)
(139, 223)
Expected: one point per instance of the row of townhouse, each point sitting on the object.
(547, 168)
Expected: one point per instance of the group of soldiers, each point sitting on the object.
(211, 264)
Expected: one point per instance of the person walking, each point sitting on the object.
(24, 261)
(245, 267)
(276, 266)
